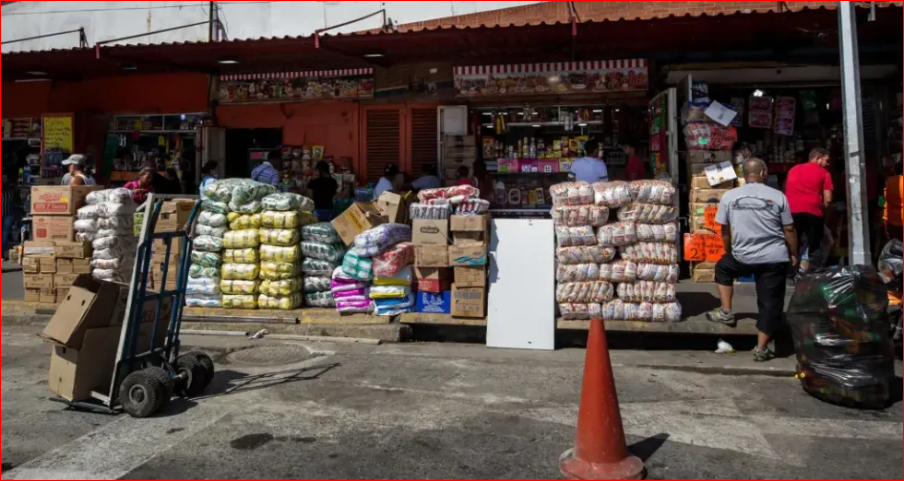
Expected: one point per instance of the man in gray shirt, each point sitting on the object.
(760, 241)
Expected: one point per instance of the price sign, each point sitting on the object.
(715, 248)
(58, 133)
(694, 248)
(709, 219)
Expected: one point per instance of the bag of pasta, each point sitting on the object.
(280, 303)
(618, 271)
(577, 272)
(317, 267)
(653, 192)
(316, 284)
(240, 287)
(241, 272)
(319, 250)
(212, 219)
(244, 221)
(571, 193)
(242, 239)
(286, 220)
(657, 233)
(579, 312)
(282, 287)
(321, 232)
(200, 271)
(658, 273)
(585, 254)
(612, 194)
(575, 236)
(648, 213)
(206, 259)
(239, 302)
(582, 215)
(279, 237)
(584, 292)
(285, 202)
(241, 256)
(280, 254)
(651, 253)
(320, 299)
(277, 271)
(646, 291)
(617, 235)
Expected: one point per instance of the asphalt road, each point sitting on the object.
(319, 411)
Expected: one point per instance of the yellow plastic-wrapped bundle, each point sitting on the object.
(240, 287)
(277, 271)
(241, 272)
(244, 222)
(287, 220)
(279, 237)
(239, 302)
(282, 287)
(283, 303)
(280, 254)
(241, 256)
(242, 239)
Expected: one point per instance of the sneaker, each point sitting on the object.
(720, 317)
(763, 355)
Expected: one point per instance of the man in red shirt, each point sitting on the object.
(809, 191)
(636, 170)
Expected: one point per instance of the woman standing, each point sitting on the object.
(142, 186)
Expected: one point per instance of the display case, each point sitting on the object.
(164, 140)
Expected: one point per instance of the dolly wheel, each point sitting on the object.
(193, 377)
(207, 363)
(163, 376)
(141, 394)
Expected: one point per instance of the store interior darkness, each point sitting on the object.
(239, 144)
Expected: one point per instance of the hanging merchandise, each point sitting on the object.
(785, 114)
(761, 111)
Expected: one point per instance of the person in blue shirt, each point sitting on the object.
(430, 179)
(268, 171)
(210, 175)
(387, 182)
(590, 168)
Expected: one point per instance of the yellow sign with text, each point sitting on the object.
(58, 133)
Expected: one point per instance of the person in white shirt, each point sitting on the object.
(429, 180)
(77, 175)
(387, 182)
(590, 168)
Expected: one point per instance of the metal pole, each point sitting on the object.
(854, 159)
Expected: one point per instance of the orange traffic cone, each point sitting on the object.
(600, 451)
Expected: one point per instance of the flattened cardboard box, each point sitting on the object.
(703, 276)
(431, 256)
(53, 228)
(430, 232)
(89, 304)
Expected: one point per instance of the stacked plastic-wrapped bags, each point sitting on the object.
(323, 251)
(616, 250)
(107, 221)
(281, 250)
(203, 288)
(375, 275)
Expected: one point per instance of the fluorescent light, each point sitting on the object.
(182, 117)
(617, 110)
(373, 55)
(536, 126)
(597, 111)
(228, 61)
(37, 73)
(489, 126)
(758, 93)
(488, 114)
(32, 80)
(582, 125)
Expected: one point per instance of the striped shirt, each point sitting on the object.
(265, 174)
(10, 204)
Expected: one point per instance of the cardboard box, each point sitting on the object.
(47, 265)
(450, 141)
(73, 250)
(469, 302)
(702, 276)
(38, 249)
(89, 304)
(433, 280)
(700, 182)
(707, 196)
(31, 265)
(174, 214)
(357, 219)
(431, 256)
(64, 266)
(468, 238)
(471, 276)
(81, 266)
(48, 296)
(176, 246)
(708, 156)
(53, 228)
(32, 295)
(174, 259)
(61, 281)
(434, 303)
(469, 223)
(38, 281)
(468, 255)
(430, 232)
(57, 200)
(395, 207)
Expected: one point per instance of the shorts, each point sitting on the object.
(770, 288)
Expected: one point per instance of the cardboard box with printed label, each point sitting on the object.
(702, 276)
(53, 228)
(38, 249)
(56, 200)
(468, 255)
(81, 266)
(174, 215)
(38, 281)
(31, 265)
(431, 256)
(64, 266)
(471, 276)
(434, 303)
(469, 302)
(394, 207)
(32, 295)
(357, 219)
(708, 156)
(433, 280)
(430, 232)
(48, 265)
(73, 250)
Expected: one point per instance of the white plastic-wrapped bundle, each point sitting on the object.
(651, 253)
(212, 219)
(206, 301)
(657, 273)
(648, 213)
(653, 192)
(618, 310)
(577, 272)
(658, 233)
(571, 193)
(585, 254)
(584, 292)
(579, 312)
(108, 221)
(618, 271)
(617, 234)
(575, 236)
(580, 215)
(202, 286)
(285, 202)
(218, 232)
(430, 211)
(612, 194)
(118, 196)
(646, 291)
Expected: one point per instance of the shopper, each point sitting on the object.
(211, 175)
(430, 179)
(636, 169)
(142, 186)
(590, 168)
(387, 182)
(463, 176)
(325, 188)
(77, 175)
(11, 212)
(268, 171)
(760, 240)
(809, 189)
(894, 206)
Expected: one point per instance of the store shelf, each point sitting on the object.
(153, 132)
(553, 124)
(440, 320)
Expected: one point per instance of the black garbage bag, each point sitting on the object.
(891, 265)
(839, 320)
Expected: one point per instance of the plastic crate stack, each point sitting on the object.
(354, 281)
(280, 252)
(625, 269)
(323, 250)
(108, 221)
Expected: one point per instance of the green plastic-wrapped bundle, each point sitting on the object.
(206, 259)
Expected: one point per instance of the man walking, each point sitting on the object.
(809, 192)
(760, 240)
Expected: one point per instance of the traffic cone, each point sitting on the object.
(600, 450)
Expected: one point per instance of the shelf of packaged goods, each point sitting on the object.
(554, 124)
(153, 132)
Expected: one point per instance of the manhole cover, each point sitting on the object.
(269, 356)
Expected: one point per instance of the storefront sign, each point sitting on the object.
(559, 78)
(297, 86)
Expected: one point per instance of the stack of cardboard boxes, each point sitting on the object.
(173, 217)
(52, 261)
(704, 201)
(451, 265)
(458, 151)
